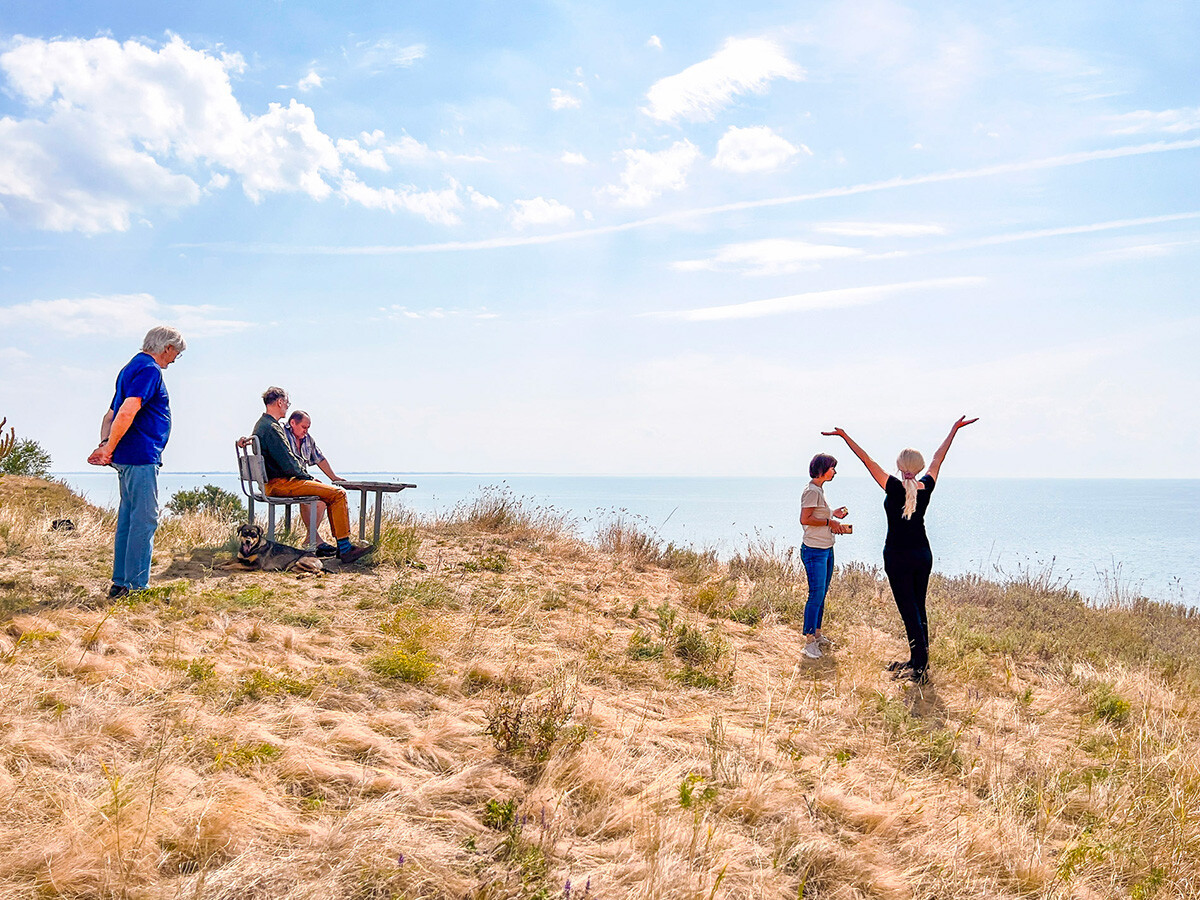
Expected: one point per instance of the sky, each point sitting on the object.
(611, 238)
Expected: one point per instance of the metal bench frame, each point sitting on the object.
(252, 472)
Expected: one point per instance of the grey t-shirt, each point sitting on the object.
(819, 537)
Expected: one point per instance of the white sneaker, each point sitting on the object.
(812, 650)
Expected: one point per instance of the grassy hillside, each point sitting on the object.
(496, 709)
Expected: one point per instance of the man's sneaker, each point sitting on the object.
(897, 667)
(324, 549)
(918, 676)
(354, 554)
(117, 591)
(812, 650)
(825, 642)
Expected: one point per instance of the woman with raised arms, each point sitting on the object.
(907, 557)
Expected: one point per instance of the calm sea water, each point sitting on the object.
(1135, 537)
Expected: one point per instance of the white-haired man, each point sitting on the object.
(133, 434)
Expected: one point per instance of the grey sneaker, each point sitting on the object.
(825, 642)
(812, 650)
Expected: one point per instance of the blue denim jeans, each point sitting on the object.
(137, 521)
(818, 566)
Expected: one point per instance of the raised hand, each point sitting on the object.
(837, 432)
(963, 422)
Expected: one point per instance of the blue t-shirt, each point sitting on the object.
(143, 443)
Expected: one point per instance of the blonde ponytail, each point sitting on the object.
(910, 462)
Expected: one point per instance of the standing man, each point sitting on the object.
(133, 434)
(286, 476)
(309, 454)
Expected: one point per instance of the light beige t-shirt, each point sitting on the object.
(819, 537)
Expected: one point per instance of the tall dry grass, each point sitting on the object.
(476, 716)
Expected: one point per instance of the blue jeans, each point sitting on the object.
(818, 566)
(137, 521)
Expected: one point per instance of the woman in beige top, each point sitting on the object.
(816, 552)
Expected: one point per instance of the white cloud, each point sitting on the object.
(686, 215)
(482, 201)
(647, 175)
(439, 207)
(398, 312)
(742, 65)
(356, 153)
(654, 42)
(66, 176)
(413, 152)
(377, 56)
(814, 300)
(879, 229)
(755, 149)
(560, 99)
(573, 159)
(1142, 251)
(13, 355)
(118, 315)
(116, 129)
(774, 256)
(1171, 121)
(309, 81)
(540, 211)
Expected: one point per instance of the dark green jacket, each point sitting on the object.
(278, 458)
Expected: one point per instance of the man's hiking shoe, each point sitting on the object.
(917, 676)
(897, 667)
(324, 549)
(117, 591)
(812, 650)
(354, 554)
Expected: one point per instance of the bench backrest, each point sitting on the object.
(252, 470)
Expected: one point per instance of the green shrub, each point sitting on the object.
(209, 499)
(1107, 704)
(699, 648)
(642, 647)
(520, 723)
(403, 664)
(27, 457)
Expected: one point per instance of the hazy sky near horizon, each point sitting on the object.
(611, 237)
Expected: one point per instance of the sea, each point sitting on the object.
(1109, 539)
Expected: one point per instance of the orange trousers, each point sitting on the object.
(338, 510)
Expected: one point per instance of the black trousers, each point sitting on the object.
(908, 574)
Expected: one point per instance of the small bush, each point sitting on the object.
(1108, 705)
(262, 684)
(699, 648)
(27, 457)
(406, 659)
(520, 723)
(403, 664)
(716, 598)
(500, 816)
(210, 499)
(641, 647)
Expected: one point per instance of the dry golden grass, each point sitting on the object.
(498, 710)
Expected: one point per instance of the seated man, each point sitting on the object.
(309, 454)
(286, 476)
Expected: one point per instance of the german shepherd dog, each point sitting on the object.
(256, 552)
